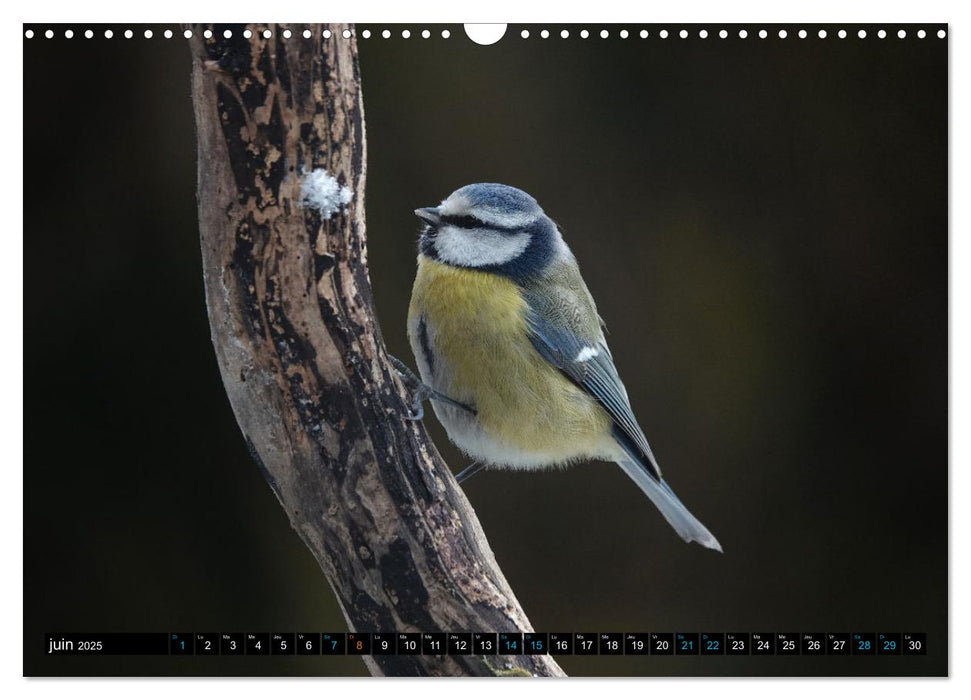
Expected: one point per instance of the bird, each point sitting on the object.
(511, 350)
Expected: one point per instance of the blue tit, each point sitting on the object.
(501, 323)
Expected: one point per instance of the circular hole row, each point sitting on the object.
(525, 34)
(723, 34)
(228, 33)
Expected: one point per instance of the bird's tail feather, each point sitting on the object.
(685, 524)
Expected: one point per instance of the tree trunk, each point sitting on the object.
(302, 358)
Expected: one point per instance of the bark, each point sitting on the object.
(302, 358)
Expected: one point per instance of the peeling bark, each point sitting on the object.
(302, 358)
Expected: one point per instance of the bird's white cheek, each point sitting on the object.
(478, 247)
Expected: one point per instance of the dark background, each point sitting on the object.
(762, 222)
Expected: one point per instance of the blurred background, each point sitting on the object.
(763, 224)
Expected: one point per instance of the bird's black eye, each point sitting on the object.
(467, 221)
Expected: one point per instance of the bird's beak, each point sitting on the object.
(429, 214)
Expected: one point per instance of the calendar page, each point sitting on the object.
(515, 350)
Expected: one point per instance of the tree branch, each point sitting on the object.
(302, 358)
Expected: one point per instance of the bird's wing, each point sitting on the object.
(576, 347)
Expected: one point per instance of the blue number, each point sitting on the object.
(864, 645)
(687, 644)
(712, 645)
(889, 645)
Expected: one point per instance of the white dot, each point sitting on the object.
(29, 34)
(921, 34)
(109, 33)
(148, 34)
(643, 34)
(327, 34)
(49, 34)
(287, 34)
(545, 34)
(565, 34)
(902, 34)
(446, 34)
(187, 34)
(841, 34)
(228, 34)
(584, 34)
(703, 33)
(683, 34)
(723, 34)
(346, 33)
(386, 34)
(405, 34)
(803, 34)
(941, 34)
(168, 34)
(822, 34)
(207, 33)
(366, 33)
(763, 34)
(604, 34)
(68, 34)
(783, 33)
(882, 34)
(624, 34)
(88, 34)
(663, 34)
(307, 33)
(524, 34)
(425, 33)
(861, 33)
(129, 33)
(742, 33)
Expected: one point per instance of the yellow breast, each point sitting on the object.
(475, 324)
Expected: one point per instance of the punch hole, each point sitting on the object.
(524, 34)
(386, 34)
(346, 33)
(148, 34)
(643, 34)
(783, 33)
(584, 34)
(29, 34)
(109, 34)
(703, 34)
(624, 34)
(683, 33)
(663, 34)
(941, 34)
(405, 34)
(723, 34)
(327, 34)
(822, 34)
(88, 34)
(485, 34)
(366, 34)
(565, 34)
(921, 34)
(545, 34)
(187, 34)
(446, 34)
(604, 33)
(287, 34)
(425, 34)
(882, 34)
(129, 33)
(742, 33)
(901, 34)
(168, 34)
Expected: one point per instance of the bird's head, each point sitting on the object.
(491, 227)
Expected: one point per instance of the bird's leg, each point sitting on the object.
(421, 391)
(470, 470)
